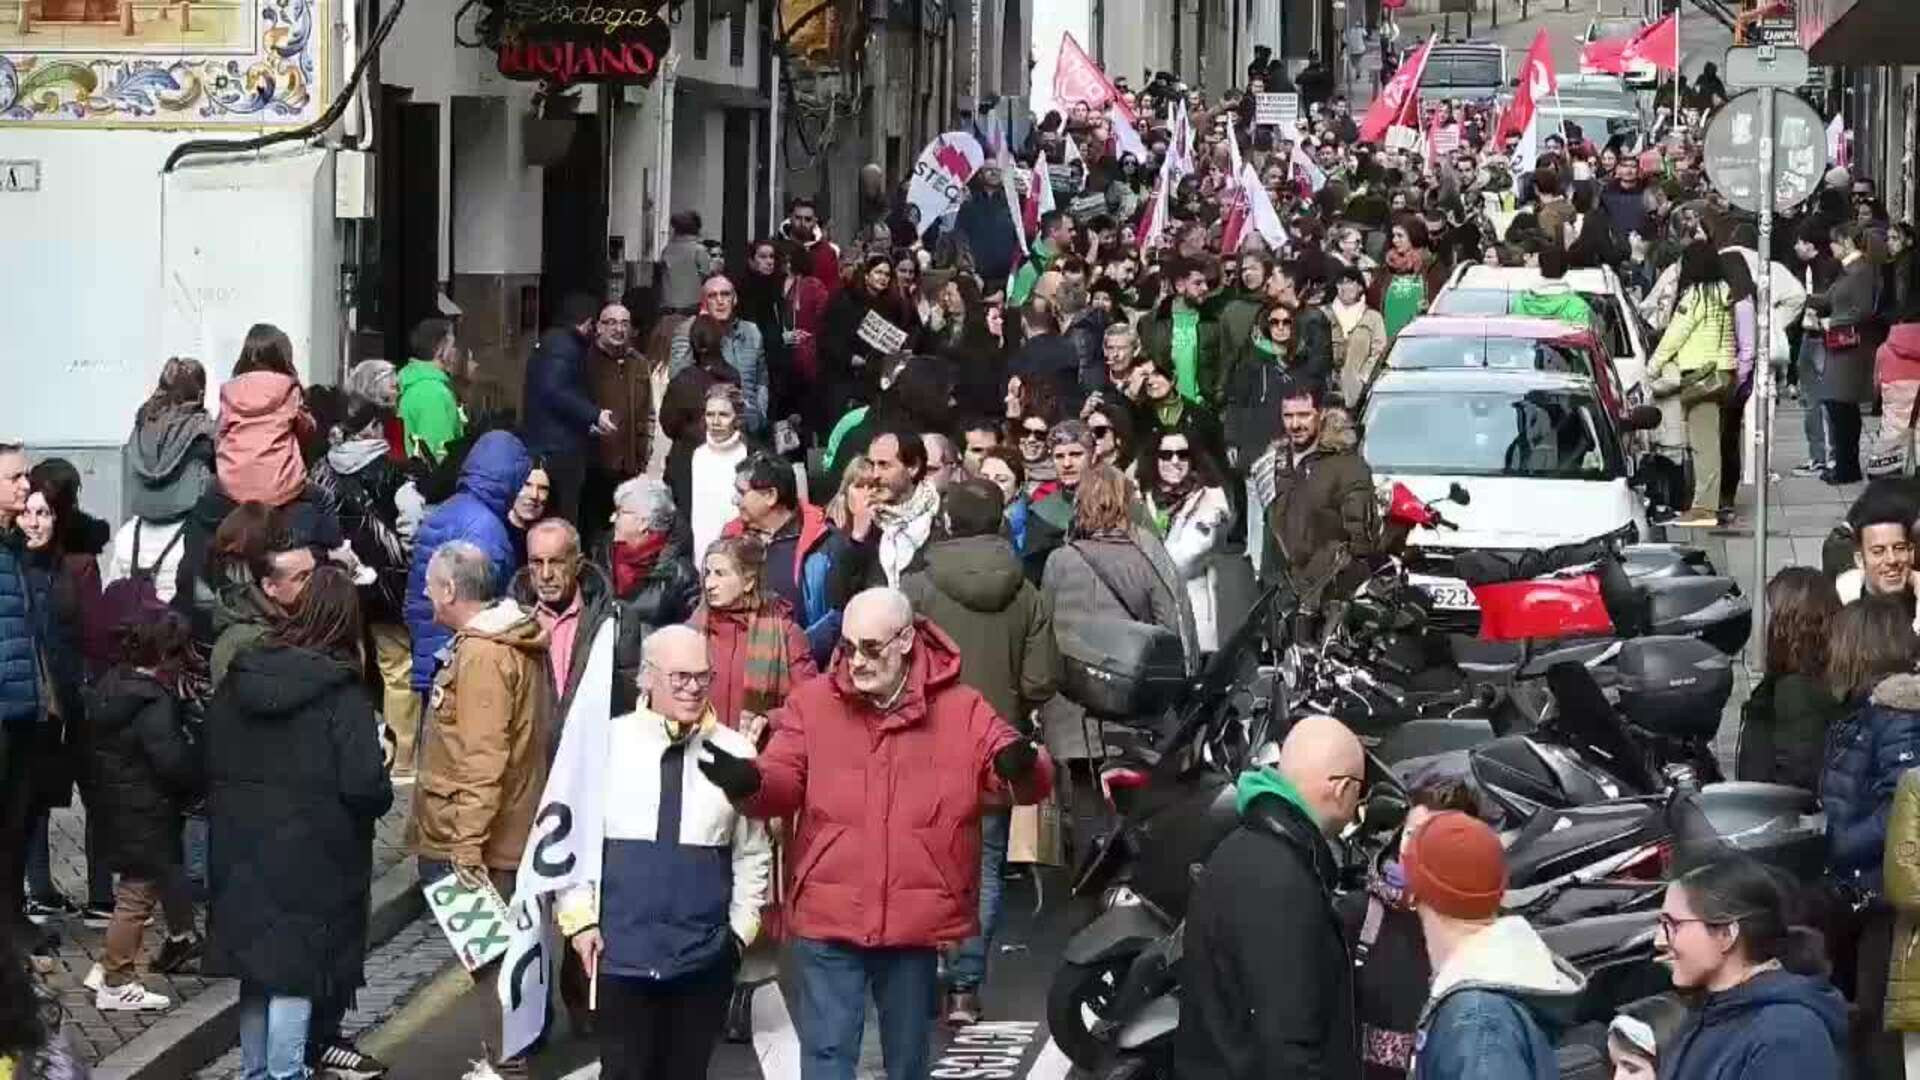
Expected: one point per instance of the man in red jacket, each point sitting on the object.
(884, 760)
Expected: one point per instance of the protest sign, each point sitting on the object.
(1089, 205)
(878, 334)
(940, 176)
(1277, 110)
(474, 920)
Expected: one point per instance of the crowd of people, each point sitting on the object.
(837, 561)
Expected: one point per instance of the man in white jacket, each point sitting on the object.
(683, 879)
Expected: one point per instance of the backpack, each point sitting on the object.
(135, 598)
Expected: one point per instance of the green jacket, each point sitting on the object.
(973, 589)
(428, 409)
(1700, 337)
(1021, 287)
(1238, 313)
(1156, 341)
(1550, 301)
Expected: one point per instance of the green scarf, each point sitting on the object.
(1186, 350)
(1169, 412)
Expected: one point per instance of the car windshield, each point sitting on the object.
(1507, 353)
(1612, 28)
(1463, 69)
(1545, 434)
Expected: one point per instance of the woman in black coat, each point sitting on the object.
(296, 782)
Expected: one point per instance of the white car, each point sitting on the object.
(1639, 75)
(1544, 463)
(1479, 290)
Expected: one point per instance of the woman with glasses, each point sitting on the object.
(1729, 932)
(1190, 509)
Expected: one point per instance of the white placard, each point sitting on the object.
(1086, 206)
(1277, 110)
(474, 920)
(880, 335)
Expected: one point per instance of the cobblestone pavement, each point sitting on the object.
(99, 1034)
(394, 971)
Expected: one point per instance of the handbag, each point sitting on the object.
(1710, 385)
(1842, 337)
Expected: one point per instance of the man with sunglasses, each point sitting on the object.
(885, 762)
(1267, 982)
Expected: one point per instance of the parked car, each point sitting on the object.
(1480, 291)
(1464, 71)
(1545, 460)
(1509, 343)
(1639, 75)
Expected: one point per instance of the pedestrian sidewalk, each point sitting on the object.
(201, 1023)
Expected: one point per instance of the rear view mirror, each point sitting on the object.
(1384, 812)
(1642, 418)
(1458, 495)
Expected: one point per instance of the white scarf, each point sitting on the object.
(904, 529)
(1349, 317)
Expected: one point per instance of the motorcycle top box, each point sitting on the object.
(1116, 668)
(1673, 686)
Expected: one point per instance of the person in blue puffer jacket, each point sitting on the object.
(490, 477)
(1870, 668)
(20, 704)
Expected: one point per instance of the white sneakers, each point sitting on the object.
(131, 997)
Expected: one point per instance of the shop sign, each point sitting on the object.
(583, 41)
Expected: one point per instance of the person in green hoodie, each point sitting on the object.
(1267, 980)
(429, 410)
(1056, 239)
(1553, 298)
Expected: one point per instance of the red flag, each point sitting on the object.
(1233, 229)
(1077, 78)
(1537, 83)
(1658, 45)
(1397, 97)
(1603, 56)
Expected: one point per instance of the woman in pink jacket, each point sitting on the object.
(263, 418)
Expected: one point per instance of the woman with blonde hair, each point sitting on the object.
(857, 474)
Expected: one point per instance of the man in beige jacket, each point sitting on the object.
(483, 755)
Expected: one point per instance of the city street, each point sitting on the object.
(1702, 38)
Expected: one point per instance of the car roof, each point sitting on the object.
(1586, 279)
(1508, 326)
(1477, 380)
(1468, 46)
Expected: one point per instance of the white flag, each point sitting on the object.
(1180, 154)
(563, 849)
(1527, 151)
(1125, 139)
(1233, 153)
(1260, 212)
(1316, 177)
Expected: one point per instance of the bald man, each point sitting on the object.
(885, 760)
(683, 878)
(1268, 983)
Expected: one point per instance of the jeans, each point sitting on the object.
(1813, 359)
(834, 979)
(1843, 439)
(969, 967)
(273, 1035)
(193, 842)
(40, 863)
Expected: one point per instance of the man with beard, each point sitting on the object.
(891, 522)
(1317, 489)
(1179, 332)
(620, 380)
(1625, 197)
(821, 260)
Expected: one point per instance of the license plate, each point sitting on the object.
(1448, 594)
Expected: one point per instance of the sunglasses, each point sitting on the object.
(1176, 455)
(1036, 434)
(871, 650)
(1280, 322)
(1100, 431)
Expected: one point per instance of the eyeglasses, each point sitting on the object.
(1347, 778)
(1668, 924)
(689, 680)
(1101, 431)
(1180, 454)
(871, 650)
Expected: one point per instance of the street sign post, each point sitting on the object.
(1765, 163)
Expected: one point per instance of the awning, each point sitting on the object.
(1837, 32)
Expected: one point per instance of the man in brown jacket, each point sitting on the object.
(483, 755)
(617, 380)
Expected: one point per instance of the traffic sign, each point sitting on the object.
(1733, 149)
(1778, 66)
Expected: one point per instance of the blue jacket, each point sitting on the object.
(745, 352)
(560, 414)
(1866, 754)
(1774, 1026)
(987, 226)
(19, 672)
(490, 478)
(1496, 1004)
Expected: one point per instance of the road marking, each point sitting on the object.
(430, 1001)
(1052, 1064)
(589, 1071)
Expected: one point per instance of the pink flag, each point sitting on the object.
(1397, 97)
(1077, 78)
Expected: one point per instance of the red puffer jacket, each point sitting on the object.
(1899, 359)
(887, 851)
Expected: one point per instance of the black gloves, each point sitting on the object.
(1016, 760)
(738, 777)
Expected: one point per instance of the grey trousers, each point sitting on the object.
(1813, 362)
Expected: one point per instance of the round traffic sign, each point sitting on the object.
(1733, 150)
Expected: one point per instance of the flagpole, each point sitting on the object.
(1676, 65)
